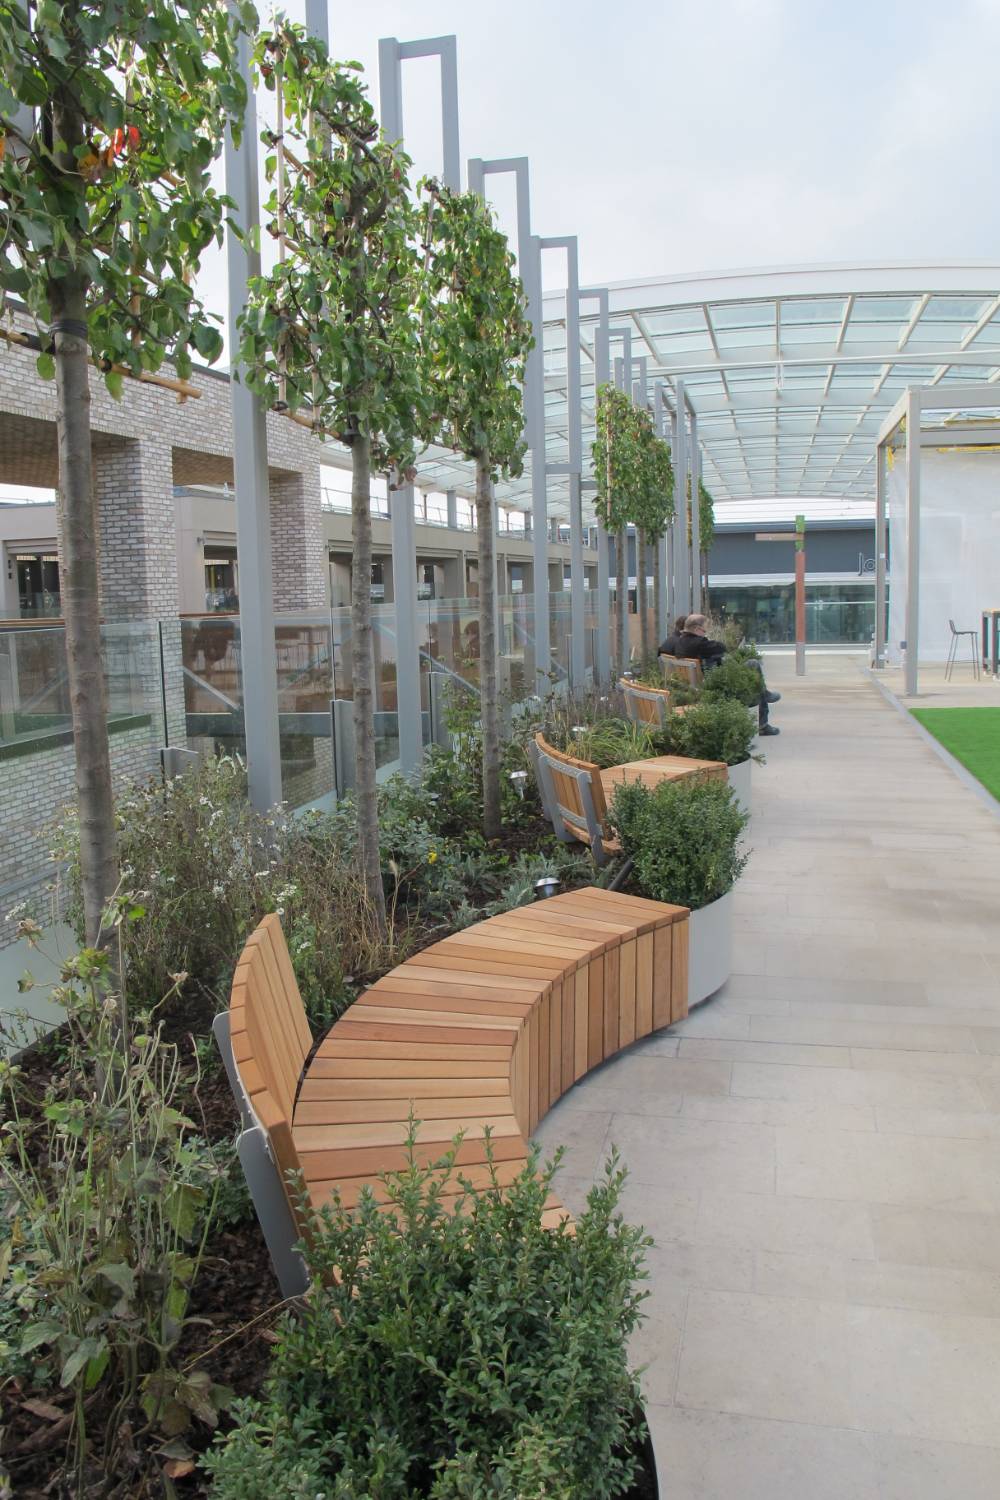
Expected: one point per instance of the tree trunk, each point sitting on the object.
(489, 705)
(363, 675)
(78, 564)
(659, 622)
(642, 595)
(621, 598)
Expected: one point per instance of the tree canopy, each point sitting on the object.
(333, 330)
(146, 87)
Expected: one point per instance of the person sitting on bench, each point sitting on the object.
(693, 641)
(669, 646)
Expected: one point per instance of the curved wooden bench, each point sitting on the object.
(575, 793)
(488, 1027)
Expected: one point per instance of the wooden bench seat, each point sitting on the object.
(576, 793)
(485, 1029)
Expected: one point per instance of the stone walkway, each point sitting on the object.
(817, 1150)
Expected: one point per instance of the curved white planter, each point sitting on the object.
(740, 781)
(710, 949)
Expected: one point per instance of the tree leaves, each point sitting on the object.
(127, 206)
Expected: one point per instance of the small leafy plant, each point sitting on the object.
(108, 1203)
(713, 729)
(684, 839)
(453, 1347)
(733, 678)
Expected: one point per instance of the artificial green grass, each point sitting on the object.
(972, 736)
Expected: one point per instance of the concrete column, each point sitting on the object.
(880, 556)
(912, 539)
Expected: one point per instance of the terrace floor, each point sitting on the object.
(817, 1150)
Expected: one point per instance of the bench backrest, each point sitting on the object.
(645, 705)
(269, 1036)
(572, 794)
(687, 666)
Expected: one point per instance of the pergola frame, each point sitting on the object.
(908, 412)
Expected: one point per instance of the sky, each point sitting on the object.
(711, 134)
(708, 134)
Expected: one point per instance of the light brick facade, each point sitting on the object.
(145, 444)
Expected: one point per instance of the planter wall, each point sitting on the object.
(740, 781)
(710, 951)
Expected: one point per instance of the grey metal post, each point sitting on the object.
(660, 423)
(602, 374)
(574, 423)
(451, 500)
(695, 518)
(912, 538)
(318, 20)
(391, 56)
(623, 381)
(529, 265)
(253, 501)
(404, 587)
(880, 555)
(682, 549)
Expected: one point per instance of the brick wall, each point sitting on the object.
(34, 790)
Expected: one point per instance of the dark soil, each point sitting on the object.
(236, 1296)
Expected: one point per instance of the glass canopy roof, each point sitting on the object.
(791, 371)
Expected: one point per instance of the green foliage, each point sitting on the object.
(476, 334)
(733, 678)
(109, 1198)
(454, 1355)
(206, 866)
(714, 729)
(706, 517)
(334, 328)
(684, 837)
(612, 742)
(632, 467)
(151, 84)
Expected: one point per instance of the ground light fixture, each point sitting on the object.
(518, 779)
(549, 885)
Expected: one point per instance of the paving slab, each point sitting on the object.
(821, 1174)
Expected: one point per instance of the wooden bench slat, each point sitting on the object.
(314, 1088)
(347, 1111)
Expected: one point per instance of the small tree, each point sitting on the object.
(334, 329)
(476, 340)
(617, 458)
(107, 205)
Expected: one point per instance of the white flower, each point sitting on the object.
(218, 890)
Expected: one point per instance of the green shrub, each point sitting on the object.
(458, 1356)
(714, 729)
(684, 839)
(733, 678)
(109, 1198)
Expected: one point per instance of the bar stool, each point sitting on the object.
(956, 636)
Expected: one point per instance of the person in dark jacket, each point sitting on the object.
(669, 646)
(694, 641)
